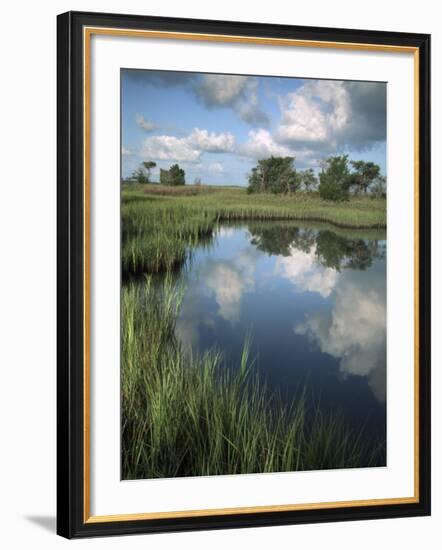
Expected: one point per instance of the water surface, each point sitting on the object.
(312, 298)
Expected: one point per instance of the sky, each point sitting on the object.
(217, 126)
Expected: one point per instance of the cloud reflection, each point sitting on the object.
(228, 280)
(354, 330)
(302, 269)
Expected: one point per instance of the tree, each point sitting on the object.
(174, 176)
(197, 181)
(335, 179)
(177, 175)
(275, 175)
(379, 187)
(256, 180)
(148, 165)
(139, 175)
(142, 173)
(364, 174)
(164, 177)
(308, 179)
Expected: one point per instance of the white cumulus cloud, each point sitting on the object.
(261, 144)
(314, 113)
(211, 142)
(170, 148)
(189, 148)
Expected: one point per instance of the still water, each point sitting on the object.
(313, 301)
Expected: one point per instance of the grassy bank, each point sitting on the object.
(161, 225)
(187, 417)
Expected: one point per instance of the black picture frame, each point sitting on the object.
(71, 520)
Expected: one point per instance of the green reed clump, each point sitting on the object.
(186, 415)
(157, 238)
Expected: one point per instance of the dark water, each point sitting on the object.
(312, 299)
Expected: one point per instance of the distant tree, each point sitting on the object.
(148, 165)
(274, 175)
(174, 176)
(308, 179)
(335, 179)
(256, 180)
(142, 173)
(363, 175)
(139, 175)
(165, 177)
(379, 187)
(197, 181)
(177, 175)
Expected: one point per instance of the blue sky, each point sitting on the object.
(217, 127)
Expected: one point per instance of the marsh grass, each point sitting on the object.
(161, 226)
(187, 415)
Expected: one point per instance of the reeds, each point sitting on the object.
(189, 416)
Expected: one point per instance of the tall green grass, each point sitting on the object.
(188, 416)
(159, 231)
(157, 238)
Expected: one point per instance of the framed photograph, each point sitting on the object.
(243, 274)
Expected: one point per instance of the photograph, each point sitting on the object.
(253, 274)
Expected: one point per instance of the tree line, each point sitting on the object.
(143, 174)
(338, 177)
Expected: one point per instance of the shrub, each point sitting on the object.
(174, 176)
(274, 175)
(335, 179)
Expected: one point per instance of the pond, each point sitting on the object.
(312, 301)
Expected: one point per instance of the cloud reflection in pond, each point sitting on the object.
(228, 280)
(243, 282)
(354, 329)
(302, 269)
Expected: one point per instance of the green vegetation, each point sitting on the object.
(365, 173)
(337, 181)
(274, 175)
(307, 179)
(174, 176)
(379, 188)
(162, 224)
(186, 416)
(143, 173)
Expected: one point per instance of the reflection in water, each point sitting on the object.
(353, 330)
(314, 300)
(227, 280)
(303, 270)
